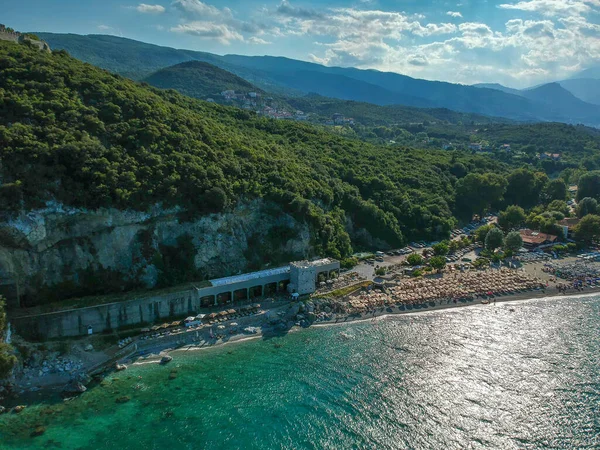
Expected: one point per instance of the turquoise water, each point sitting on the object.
(478, 377)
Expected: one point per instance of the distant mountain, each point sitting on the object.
(199, 79)
(586, 89)
(498, 87)
(291, 77)
(592, 72)
(558, 98)
(138, 60)
(346, 88)
(203, 80)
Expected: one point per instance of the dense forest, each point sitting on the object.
(432, 128)
(85, 137)
(199, 79)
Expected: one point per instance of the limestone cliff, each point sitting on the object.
(44, 248)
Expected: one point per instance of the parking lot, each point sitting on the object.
(367, 268)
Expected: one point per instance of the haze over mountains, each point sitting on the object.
(552, 102)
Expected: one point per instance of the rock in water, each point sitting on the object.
(2, 409)
(123, 399)
(166, 359)
(38, 431)
(19, 408)
(74, 387)
(119, 367)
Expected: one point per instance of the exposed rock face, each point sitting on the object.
(57, 244)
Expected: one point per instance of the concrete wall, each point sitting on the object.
(154, 309)
(106, 317)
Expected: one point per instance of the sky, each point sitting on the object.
(518, 43)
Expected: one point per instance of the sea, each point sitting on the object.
(516, 375)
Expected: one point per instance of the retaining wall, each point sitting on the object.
(107, 317)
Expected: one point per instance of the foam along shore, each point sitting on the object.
(278, 318)
(154, 356)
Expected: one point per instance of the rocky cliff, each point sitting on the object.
(59, 251)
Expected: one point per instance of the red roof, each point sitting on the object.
(536, 238)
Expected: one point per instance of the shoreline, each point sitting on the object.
(382, 313)
(153, 355)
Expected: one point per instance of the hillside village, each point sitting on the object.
(271, 108)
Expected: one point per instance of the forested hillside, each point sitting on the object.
(85, 137)
(199, 79)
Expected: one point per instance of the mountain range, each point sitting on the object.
(290, 77)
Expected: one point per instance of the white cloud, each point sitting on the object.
(103, 27)
(200, 10)
(454, 14)
(209, 30)
(523, 51)
(553, 8)
(209, 22)
(258, 41)
(150, 9)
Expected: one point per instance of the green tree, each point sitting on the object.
(441, 249)
(437, 263)
(475, 193)
(587, 205)
(589, 185)
(588, 229)
(512, 217)
(415, 259)
(524, 187)
(513, 241)
(482, 232)
(453, 246)
(494, 239)
(560, 206)
(555, 190)
(458, 170)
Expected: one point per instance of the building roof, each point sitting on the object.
(536, 238)
(569, 222)
(316, 263)
(249, 276)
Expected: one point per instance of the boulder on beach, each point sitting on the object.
(89, 348)
(119, 367)
(2, 409)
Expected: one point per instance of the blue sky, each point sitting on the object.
(514, 42)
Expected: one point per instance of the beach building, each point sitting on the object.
(299, 277)
(533, 239)
(305, 275)
(567, 225)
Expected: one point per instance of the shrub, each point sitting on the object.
(415, 259)
(348, 263)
